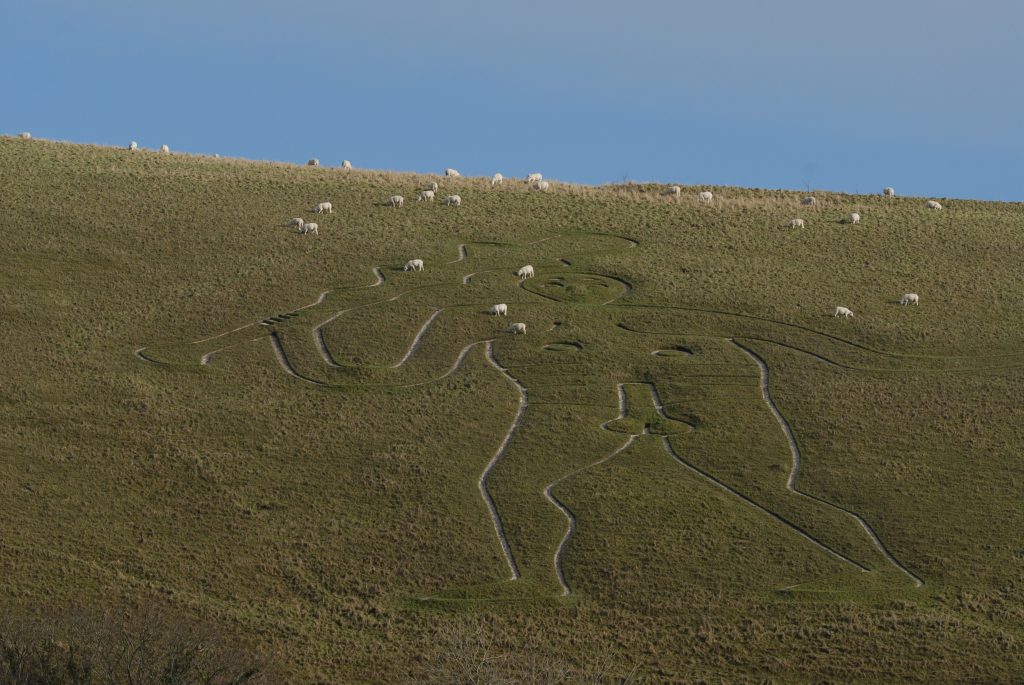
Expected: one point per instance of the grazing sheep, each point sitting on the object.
(25, 135)
(499, 310)
(910, 298)
(674, 190)
(932, 204)
(497, 180)
(517, 329)
(453, 201)
(426, 195)
(324, 207)
(297, 221)
(889, 192)
(534, 177)
(809, 201)
(451, 173)
(395, 201)
(345, 164)
(854, 218)
(313, 162)
(432, 186)
(413, 265)
(525, 272)
(310, 227)
(842, 311)
(706, 196)
(541, 185)
(165, 149)
(796, 223)
(133, 146)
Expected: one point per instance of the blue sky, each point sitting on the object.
(925, 96)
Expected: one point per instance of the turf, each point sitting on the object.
(291, 437)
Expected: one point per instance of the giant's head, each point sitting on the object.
(578, 288)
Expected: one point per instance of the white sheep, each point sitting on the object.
(534, 177)
(499, 310)
(796, 223)
(345, 164)
(297, 221)
(395, 201)
(541, 185)
(25, 135)
(889, 192)
(413, 265)
(324, 208)
(932, 204)
(910, 298)
(165, 149)
(427, 195)
(853, 218)
(525, 272)
(706, 196)
(674, 191)
(497, 180)
(432, 186)
(517, 329)
(453, 201)
(313, 162)
(843, 311)
(310, 227)
(452, 173)
(133, 146)
(809, 201)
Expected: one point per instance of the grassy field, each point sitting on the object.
(691, 469)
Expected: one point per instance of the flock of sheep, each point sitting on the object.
(536, 182)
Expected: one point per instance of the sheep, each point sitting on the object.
(297, 221)
(910, 298)
(25, 135)
(525, 272)
(324, 208)
(453, 201)
(345, 164)
(842, 311)
(497, 179)
(853, 218)
(809, 201)
(499, 310)
(165, 149)
(796, 223)
(413, 265)
(517, 329)
(889, 192)
(426, 195)
(534, 178)
(675, 191)
(313, 162)
(432, 186)
(706, 196)
(541, 185)
(310, 227)
(452, 173)
(932, 204)
(395, 201)
(133, 146)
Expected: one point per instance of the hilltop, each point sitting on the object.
(689, 466)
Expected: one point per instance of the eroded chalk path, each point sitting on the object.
(791, 483)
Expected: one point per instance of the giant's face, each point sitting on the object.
(578, 288)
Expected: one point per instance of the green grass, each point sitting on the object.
(338, 525)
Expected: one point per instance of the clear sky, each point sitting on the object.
(923, 95)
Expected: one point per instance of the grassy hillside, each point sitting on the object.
(691, 468)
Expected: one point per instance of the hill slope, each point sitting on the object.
(689, 466)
